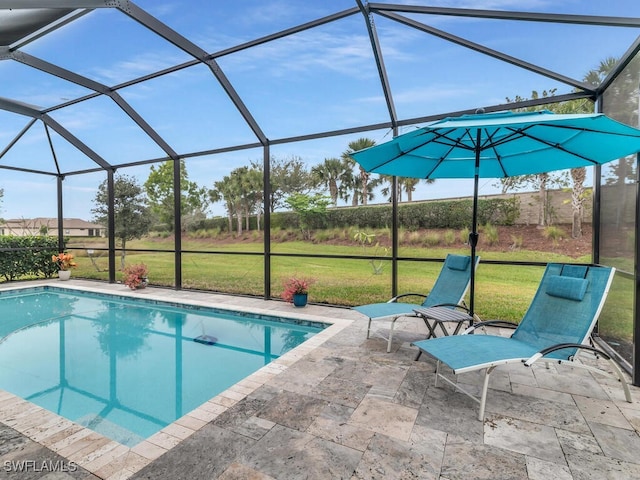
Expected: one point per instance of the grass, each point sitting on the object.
(502, 291)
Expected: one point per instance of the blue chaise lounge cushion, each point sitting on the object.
(458, 262)
(567, 287)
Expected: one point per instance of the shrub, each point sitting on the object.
(553, 233)
(449, 237)
(296, 286)
(27, 256)
(490, 233)
(135, 276)
(413, 238)
(516, 242)
(432, 239)
(464, 235)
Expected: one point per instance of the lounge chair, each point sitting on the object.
(556, 327)
(449, 290)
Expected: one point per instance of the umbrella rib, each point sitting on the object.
(490, 144)
(557, 146)
(403, 152)
(453, 143)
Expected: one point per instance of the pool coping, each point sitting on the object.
(109, 459)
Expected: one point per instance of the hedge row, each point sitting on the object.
(27, 256)
(412, 216)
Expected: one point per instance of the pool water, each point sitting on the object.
(126, 368)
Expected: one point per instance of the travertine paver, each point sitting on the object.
(341, 407)
(532, 439)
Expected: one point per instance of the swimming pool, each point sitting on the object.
(127, 368)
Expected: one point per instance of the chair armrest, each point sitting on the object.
(397, 297)
(561, 346)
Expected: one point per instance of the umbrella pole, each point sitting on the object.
(473, 235)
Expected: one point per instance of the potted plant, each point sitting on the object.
(135, 276)
(296, 290)
(65, 263)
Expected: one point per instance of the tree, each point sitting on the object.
(159, 189)
(361, 183)
(311, 210)
(132, 217)
(225, 190)
(287, 177)
(405, 184)
(330, 174)
(242, 193)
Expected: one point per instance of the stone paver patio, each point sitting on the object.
(339, 407)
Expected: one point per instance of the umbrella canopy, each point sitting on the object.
(497, 145)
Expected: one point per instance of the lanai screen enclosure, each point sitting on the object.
(96, 89)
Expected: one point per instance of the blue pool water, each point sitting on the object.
(127, 368)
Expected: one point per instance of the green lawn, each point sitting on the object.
(501, 291)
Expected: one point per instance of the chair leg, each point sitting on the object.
(483, 397)
(625, 386)
(393, 322)
(369, 327)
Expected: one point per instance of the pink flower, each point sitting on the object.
(296, 285)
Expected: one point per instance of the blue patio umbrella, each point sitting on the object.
(503, 144)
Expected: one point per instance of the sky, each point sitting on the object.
(319, 80)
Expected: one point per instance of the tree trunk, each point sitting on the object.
(542, 214)
(578, 175)
(365, 186)
(333, 191)
(124, 253)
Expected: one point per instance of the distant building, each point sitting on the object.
(72, 227)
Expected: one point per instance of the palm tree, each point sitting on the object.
(406, 184)
(364, 184)
(329, 174)
(596, 76)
